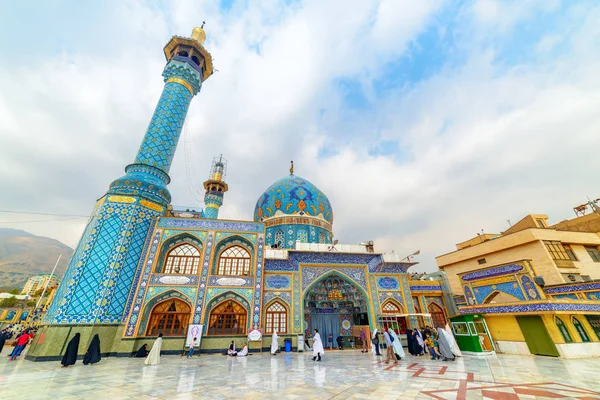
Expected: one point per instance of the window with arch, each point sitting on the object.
(234, 260)
(302, 236)
(390, 307)
(279, 238)
(228, 318)
(321, 237)
(170, 317)
(582, 333)
(182, 259)
(438, 318)
(563, 330)
(276, 318)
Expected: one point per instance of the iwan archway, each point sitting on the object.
(333, 304)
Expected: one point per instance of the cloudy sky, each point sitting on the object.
(423, 121)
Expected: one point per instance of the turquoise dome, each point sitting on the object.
(293, 196)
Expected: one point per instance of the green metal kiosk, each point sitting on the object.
(472, 334)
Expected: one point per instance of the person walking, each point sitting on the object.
(70, 356)
(192, 345)
(389, 348)
(363, 340)
(274, 342)
(375, 343)
(154, 355)
(318, 349)
(398, 350)
(92, 356)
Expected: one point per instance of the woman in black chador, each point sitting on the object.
(142, 351)
(70, 355)
(93, 353)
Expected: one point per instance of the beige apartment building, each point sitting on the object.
(536, 285)
(38, 282)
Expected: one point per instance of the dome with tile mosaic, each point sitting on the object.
(293, 195)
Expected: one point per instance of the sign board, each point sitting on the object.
(255, 335)
(194, 331)
(300, 343)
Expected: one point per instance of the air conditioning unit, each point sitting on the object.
(586, 278)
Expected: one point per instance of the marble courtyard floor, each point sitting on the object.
(341, 375)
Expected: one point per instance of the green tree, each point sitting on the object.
(15, 291)
(31, 303)
(9, 302)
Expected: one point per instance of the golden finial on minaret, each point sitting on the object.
(291, 167)
(199, 35)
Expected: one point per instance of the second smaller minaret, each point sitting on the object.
(215, 189)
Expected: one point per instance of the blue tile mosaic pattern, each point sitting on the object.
(203, 280)
(593, 295)
(141, 289)
(258, 289)
(285, 296)
(512, 288)
(211, 224)
(388, 283)
(152, 291)
(99, 277)
(355, 275)
(469, 297)
(383, 296)
(530, 288)
(491, 272)
(293, 195)
(213, 201)
(288, 234)
(160, 141)
(572, 288)
(277, 282)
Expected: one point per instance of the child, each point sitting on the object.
(431, 345)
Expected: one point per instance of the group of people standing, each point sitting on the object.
(439, 344)
(21, 340)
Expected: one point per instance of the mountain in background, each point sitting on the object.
(23, 255)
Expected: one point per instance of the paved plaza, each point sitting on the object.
(341, 375)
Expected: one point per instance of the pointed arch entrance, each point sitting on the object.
(333, 304)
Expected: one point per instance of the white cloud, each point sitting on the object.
(480, 142)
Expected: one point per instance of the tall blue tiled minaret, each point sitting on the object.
(215, 189)
(97, 282)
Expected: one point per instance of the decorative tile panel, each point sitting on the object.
(286, 296)
(141, 289)
(388, 283)
(511, 288)
(203, 280)
(153, 291)
(383, 296)
(527, 308)
(211, 224)
(174, 279)
(356, 275)
(572, 288)
(492, 272)
(229, 281)
(277, 282)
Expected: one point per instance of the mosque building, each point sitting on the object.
(142, 268)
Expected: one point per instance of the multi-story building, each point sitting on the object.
(38, 282)
(535, 288)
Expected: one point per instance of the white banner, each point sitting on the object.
(194, 331)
